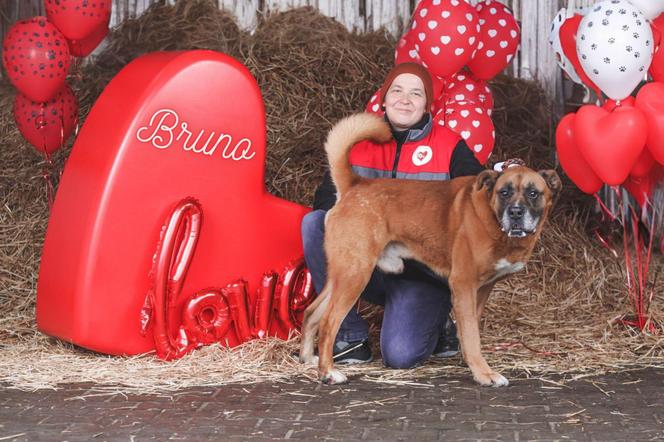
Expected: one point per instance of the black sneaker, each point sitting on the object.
(358, 352)
(448, 343)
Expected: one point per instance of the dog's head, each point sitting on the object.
(520, 197)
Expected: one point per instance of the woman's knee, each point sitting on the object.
(401, 354)
(313, 229)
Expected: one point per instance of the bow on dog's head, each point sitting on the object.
(520, 197)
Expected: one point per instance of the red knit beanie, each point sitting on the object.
(409, 68)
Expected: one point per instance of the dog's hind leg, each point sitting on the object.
(347, 289)
(312, 317)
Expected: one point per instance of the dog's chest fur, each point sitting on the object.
(503, 268)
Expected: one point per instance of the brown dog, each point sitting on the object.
(472, 230)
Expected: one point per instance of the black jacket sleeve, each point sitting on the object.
(463, 161)
(326, 193)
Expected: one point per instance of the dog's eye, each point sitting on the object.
(505, 193)
(532, 194)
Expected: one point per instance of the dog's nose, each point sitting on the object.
(515, 212)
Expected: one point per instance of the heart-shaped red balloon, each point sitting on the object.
(657, 65)
(170, 125)
(499, 40)
(47, 125)
(568, 43)
(643, 164)
(78, 19)
(571, 160)
(641, 187)
(610, 142)
(36, 57)
(650, 100)
(83, 48)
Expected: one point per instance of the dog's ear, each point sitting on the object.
(486, 178)
(552, 180)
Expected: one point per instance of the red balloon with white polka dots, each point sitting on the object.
(373, 106)
(446, 35)
(498, 40)
(464, 87)
(473, 124)
(405, 50)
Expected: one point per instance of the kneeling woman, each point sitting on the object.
(417, 302)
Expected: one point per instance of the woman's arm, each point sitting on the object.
(463, 161)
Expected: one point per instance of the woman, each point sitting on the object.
(417, 302)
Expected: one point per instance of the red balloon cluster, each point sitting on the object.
(462, 47)
(36, 55)
(620, 143)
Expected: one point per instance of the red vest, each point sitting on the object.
(425, 159)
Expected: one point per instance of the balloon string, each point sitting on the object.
(48, 166)
(637, 269)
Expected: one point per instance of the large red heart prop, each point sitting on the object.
(610, 142)
(568, 43)
(47, 125)
(571, 160)
(36, 58)
(650, 100)
(499, 40)
(445, 35)
(78, 19)
(170, 125)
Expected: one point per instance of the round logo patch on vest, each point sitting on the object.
(422, 155)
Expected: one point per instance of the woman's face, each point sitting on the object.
(405, 101)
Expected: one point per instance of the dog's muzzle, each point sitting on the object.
(517, 222)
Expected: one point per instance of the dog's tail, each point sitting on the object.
(343, 136)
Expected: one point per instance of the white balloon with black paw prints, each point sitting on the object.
(649, 8)
(615, 46)
(554, 41)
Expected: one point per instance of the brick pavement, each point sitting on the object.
(625, 406)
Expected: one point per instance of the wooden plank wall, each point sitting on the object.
(535, 61)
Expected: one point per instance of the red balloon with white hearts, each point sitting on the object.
(473, 124)
(373, 105)
(464, 87)
(499, 40)
(405, 50)
(446, 35)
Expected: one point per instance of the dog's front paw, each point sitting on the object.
(333, 376)
(491, 379)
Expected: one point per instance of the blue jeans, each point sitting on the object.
(417, 303)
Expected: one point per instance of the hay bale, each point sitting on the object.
(311, 75)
